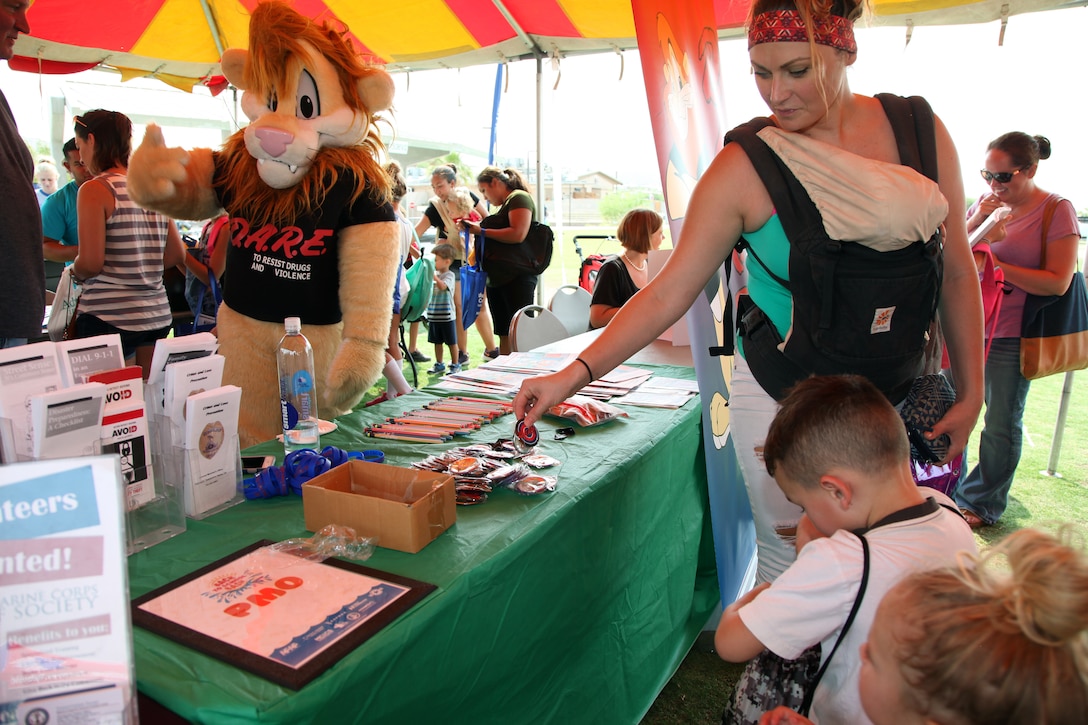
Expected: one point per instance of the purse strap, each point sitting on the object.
(925, 508)
(1048, 216)
(810, 691)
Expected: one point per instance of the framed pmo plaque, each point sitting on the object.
(277, 615)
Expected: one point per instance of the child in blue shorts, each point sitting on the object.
(441, 329)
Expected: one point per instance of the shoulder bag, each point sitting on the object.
(1054, 331)
(505, 261)
(62, 314)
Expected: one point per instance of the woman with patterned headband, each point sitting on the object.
(802, 76)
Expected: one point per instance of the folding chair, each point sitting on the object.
(534, 326)
(570, 304)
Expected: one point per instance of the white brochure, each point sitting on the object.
(24, 371)
(211, 443)
(67, 423)
(80, 358)
(65, 629)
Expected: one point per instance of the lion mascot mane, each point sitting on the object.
(313, 233)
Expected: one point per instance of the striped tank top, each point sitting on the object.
(128, 293)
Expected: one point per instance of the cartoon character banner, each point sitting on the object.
(678, 44)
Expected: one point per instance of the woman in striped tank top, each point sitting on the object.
(123, 249)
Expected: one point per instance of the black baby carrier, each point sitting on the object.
(855, 309)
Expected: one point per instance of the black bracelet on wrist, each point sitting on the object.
(592, 377)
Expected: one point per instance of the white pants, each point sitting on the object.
(751, 412)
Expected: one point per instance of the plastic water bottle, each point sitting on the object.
(298, 396)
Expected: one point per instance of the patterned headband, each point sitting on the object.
(787, 26)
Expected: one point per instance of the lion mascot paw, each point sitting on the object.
(313, 233)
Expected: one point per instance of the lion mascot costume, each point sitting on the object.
(313, 233)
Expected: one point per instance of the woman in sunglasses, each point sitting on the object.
(1012, 161)
(123, 249)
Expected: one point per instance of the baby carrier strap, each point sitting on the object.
(915, 132)
(795, 209)
(912, 123)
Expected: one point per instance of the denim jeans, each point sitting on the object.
(985, 490)
(6, 342)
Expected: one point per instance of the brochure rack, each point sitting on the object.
(158, 517)
(182, 468)
(7, 434)
(206, 497)
(157, 520)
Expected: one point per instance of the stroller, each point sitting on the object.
(591, 265)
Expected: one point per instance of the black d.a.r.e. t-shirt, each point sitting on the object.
(276, 272)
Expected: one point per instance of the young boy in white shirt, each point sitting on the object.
(838, 449)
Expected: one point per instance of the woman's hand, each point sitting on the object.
(473, 227)
(539, 393)
(958, 423)
(986, 207)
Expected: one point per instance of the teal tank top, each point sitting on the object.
(773, 247)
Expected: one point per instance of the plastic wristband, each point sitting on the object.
(299, 467)
(589, 370)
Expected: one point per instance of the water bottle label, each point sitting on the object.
(302, 382)
(289, 415)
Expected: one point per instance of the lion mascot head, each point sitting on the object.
(313, 233)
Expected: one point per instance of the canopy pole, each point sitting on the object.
(1059, 428)
(1063, 410)
(213, 26)
(539, 163)
(496, 97)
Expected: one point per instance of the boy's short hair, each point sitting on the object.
(835, 421)
(445, 251)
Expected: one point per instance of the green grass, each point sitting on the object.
(702, 685)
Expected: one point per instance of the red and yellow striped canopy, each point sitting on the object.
(181, 41)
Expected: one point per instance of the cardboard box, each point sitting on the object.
(403, 508)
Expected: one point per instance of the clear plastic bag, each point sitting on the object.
(586, 412)
(332, 541)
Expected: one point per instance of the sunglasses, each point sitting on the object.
(1002, 177)
(80, 121)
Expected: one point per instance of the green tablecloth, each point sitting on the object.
(574, 606)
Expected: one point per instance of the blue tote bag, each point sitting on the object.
(473, 288)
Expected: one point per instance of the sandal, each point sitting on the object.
(973, 520)
(380, 399)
